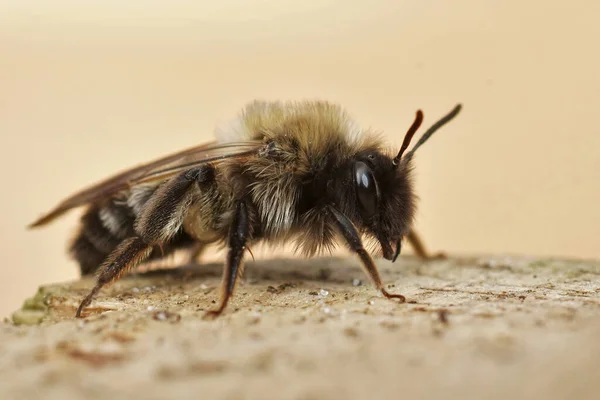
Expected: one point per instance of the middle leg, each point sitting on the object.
(238, 236)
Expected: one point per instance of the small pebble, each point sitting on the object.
(150, 308)
(135, 290)
(356, 282)
(323, 293)
(161, 316)
(166, 316)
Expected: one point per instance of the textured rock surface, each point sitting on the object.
(489, 327)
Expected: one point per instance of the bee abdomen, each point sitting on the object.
(105, 226)
(102, 229)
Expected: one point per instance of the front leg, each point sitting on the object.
(238, 236)
(417, 244)
(350, 234)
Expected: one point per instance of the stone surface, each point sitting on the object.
(487, 327)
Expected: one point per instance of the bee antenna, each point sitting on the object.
(409, 135)
(443, 121)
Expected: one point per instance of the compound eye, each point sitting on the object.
(366, 189)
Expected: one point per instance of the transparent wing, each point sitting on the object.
(157, 170)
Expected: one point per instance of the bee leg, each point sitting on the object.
(129, 253)
(352, 238)
(194, 253)
(238, 236)
(160, 219)
(417, 244)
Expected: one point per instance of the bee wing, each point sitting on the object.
(160, 169)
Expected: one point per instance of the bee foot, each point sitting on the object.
(389, 295)
(212, 314)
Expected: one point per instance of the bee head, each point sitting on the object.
(378, 191)
(383, 199)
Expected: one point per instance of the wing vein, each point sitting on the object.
(159, 169)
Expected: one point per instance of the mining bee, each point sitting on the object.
(282, 172)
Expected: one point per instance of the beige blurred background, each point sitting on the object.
(89, 88)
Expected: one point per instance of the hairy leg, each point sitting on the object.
(159, 221)
(128, 254)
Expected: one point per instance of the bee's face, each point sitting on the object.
(378, 198)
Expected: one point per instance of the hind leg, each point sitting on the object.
(129, 253)
(158, 223)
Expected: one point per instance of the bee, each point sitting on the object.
(283, 172)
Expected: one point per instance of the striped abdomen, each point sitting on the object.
(104, 226)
